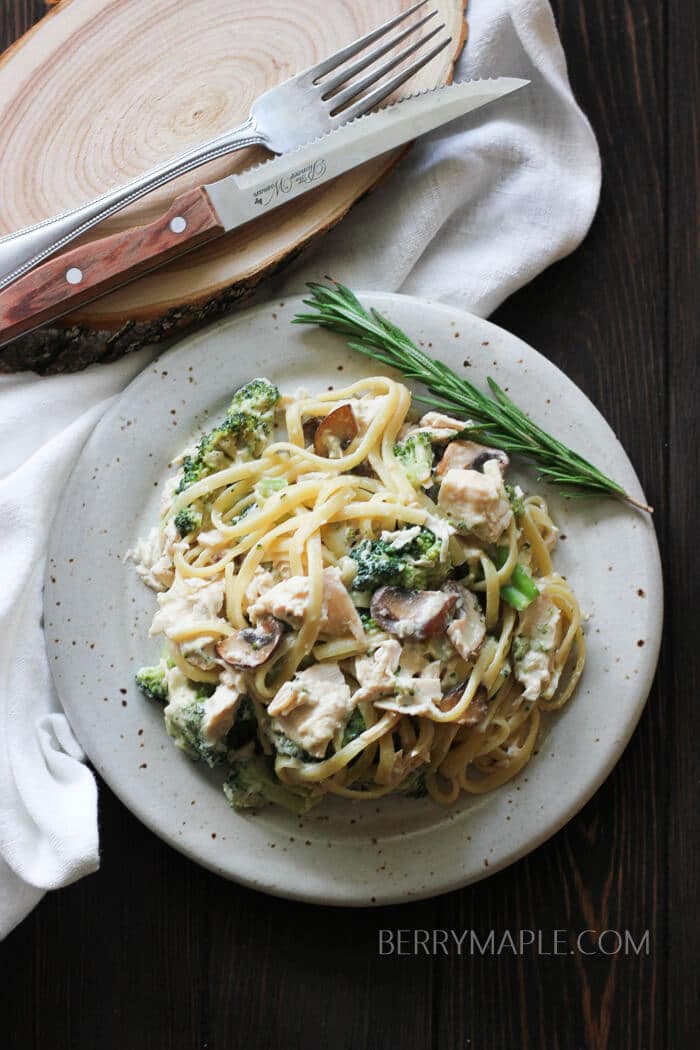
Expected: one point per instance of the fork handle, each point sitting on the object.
(69, 280)
(22, 251)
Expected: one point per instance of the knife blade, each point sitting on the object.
(241, 197)
(85, 273)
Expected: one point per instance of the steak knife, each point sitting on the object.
(69, 280)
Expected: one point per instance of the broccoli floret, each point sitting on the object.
(252, 784)
(377, 563)
(415, 455)
(416, 566)
(355, 726)
(240, 433)
(259, 396)
(184, 724)
(414, 785)
(244, 432)
(193, 469)
(188, 520)
(284, 745)
(152, 683)
(183, 719)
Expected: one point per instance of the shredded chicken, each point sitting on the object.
(313, 706)
(384, 681)
(211, 538)
(153, 556)
(377, 673)
(415, 696)
(261, 582)
(440, 427)
(476, 502)
(189, 601)
(402, 537)
(289, 601)
(220, 707)
(468, 629)
(468, 455)
(539, 635)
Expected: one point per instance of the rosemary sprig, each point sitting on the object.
(496, 420)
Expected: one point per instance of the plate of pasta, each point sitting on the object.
(330, 642)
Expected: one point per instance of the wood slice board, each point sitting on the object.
(101, 90)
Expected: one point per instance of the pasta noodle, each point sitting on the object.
(265, 555)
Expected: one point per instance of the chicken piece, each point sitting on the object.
(476, 502)
(188, 602)
(211, 538)
(377, 673)
(384, 682)
(414, 657)
(201, 652)
(539, 635)
(153, 556)
(220, 707)
(415, 696)
(261, 582)
(401, 538)
(468, 629)
(339, 615)
(468, 455)
(440, 427)
(312, 707)
(288, 601)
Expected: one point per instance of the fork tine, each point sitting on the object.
(348, 72)
(368, 102)
(350, 92)
(345, 53)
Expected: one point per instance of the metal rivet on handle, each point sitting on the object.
(178, 224)
(74, 275)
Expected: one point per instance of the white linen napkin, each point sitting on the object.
(475, 210)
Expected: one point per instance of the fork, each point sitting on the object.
(303, 108)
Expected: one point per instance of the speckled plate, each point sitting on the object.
(98, 614)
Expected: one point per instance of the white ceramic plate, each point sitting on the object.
(98, 614)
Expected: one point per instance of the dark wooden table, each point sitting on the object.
(154, 952)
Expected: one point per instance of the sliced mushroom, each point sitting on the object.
(335, 432)
(309, 427)
(412, 614)
(468, 455)
(252, 646)
(477, 708)
(364, 469)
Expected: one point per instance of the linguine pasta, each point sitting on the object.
(354, 603)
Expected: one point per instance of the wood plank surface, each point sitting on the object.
(154, 952)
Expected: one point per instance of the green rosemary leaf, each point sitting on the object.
(496, 419)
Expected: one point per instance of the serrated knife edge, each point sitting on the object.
(243, 196)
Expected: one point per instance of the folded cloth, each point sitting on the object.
(482, 205)
(474, 211)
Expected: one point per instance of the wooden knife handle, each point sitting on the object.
(67, 281)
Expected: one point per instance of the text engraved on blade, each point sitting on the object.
(282, 186)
